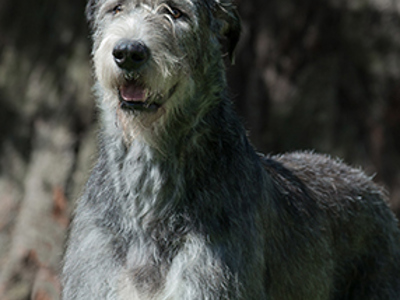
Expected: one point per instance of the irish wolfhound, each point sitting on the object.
(180, 206)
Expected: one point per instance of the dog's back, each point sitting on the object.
(336, 219)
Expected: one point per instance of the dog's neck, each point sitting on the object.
(179, 164)
(198, 110)
(183, 136)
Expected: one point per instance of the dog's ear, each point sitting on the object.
(229, 27)
(90, 12)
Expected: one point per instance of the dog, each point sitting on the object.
(181, 207)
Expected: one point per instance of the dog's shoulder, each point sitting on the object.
(288, 191)
(328, 181)
(324, 171)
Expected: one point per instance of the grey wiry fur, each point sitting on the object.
(179, 205)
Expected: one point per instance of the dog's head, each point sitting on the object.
(225, 22)
(155, 55)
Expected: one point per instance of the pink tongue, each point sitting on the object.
(133, 92)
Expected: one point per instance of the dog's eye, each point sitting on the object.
(117, 9)
(175, 13)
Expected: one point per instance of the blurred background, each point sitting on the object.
(311, 74)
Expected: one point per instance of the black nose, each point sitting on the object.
(130, 55)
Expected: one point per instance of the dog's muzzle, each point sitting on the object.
(130, 56)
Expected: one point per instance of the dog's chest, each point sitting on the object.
(146, 260)
(149, 275)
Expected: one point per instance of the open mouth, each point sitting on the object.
(133, 95)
